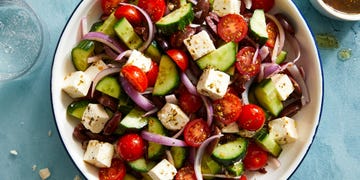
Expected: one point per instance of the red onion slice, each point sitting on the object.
(96, 58)
(102, 74)
(209, 109)
(110, 52)
(164, 140)
(150, 24)
(105, 39)
(188, 84)
(139, 99)
(295, 45)
(281, 36)
(123, 54)
(84, 25)
(245, 94)
(200, 153)
(296, 74)
(264, 52)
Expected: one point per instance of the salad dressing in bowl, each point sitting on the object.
(346, 6)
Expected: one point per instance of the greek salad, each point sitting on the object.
(185, 89)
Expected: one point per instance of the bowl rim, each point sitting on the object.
(309, 144)
(336, 13)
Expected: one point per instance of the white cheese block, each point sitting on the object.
(224, 7)
(283, 85)
(99, 153)
(172, 117)
(213, 83)
(283, 130)
(76, 84)
(199, 44)
(95, 117)
(95, 68)
(164, 170)
(139, 60)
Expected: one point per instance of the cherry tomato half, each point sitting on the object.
(186, 173)
(188, 102)
(130, 13)
(155, 8)
(227, 109)
(232, 27)
(252, 117)
(255, 158)
(108, 6)
(152, 74)
(130, 147)
(272, 32)
(245, 63)
(136, 77)
(196, 131)
(266, 5)
(115, 172)
(179, 57)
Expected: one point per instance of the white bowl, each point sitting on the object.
(328, 11)
(307, 119)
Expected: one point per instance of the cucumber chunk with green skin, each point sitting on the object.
(221, 59)
(140, 165)
(109, 85)
(179, 155)
(155, 150)
(81, 53)
(127, 34)
(134, 119)
(230, 152)
(236, 169)
(176, 20)
(107, 27)
(265, 141)
(266, 95)
(77, 108)
(168, 77)
(129, 177)
(258, 27)
(209, 165)
(281, 57)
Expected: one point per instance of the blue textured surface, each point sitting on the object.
(27, 121)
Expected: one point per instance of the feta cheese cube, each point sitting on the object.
(95, 68)
(164, 170)
(172, 117)
(213, 83)
(76, 84)
(231, 128)
(199, 44)
(139, 60)
(284, 86)
(99, 153)
(94, 117)
(224, 7)
(283, 130)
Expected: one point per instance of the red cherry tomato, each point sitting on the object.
(108, 6)
(255, 158)
(155, 8)
(152, 74)
(252, 117)
(243, 177)
(136, 77)
(196, 131)
(188, 102)
(115, 172)
(245, 63)
(186, 173)
(232, 27)
(130, 147)
(130, 13)
(272, 31)
(266, 5)
(179, 57)
(227, 109)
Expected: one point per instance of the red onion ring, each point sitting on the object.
(110, 52)
(102, 74)
(200, 153)
(105, 39)
(295, 45)
(296, 74)
(123, 54)
(188, 84)
(169, 157)
(281, 36)
(209, 109)
(245, 94)
(84, 26)
(150, 24)
(264, 52)
(96, 58)
(178, 134)
(160, 139)
(139, 99)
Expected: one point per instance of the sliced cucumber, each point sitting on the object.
(258, 26)
(176, 20)
(281, 57)
(134, 119)
(108, 26)
(127, 34)
(266, 95)
(179, 155)
(129, 177)
(209, 165)
(230, 152)
(155, 150)
(77, 108)
(125, 104)
(264, 140)
(109, 85)
(221, 59)
(168, 77)
(141, 165)
(81, 53)
(236, 169)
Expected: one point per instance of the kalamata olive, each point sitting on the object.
(176, 39)
(173, 4)
(201, 10)
(297, 88)
(291, 109)
(112, 124)
(108, 101)
(285, 23)
(162, 42)
(79, 134)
